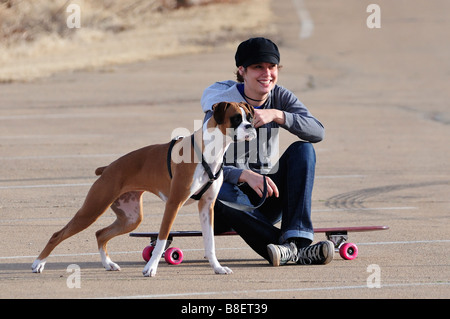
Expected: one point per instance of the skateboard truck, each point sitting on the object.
(348, 251)
(338, 238)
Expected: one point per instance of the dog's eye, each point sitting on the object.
(250, 117)
(235, 120)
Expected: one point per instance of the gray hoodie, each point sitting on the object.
(260, 154)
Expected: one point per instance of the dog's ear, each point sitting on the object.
(249, 108)
(219, 111)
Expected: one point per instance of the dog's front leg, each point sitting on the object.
(152, 265)
(170, 212)
(206, 220)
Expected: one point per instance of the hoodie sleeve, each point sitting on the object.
(299, 121)
(225, 91)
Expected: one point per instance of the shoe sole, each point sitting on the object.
(274, 255)
(328, 250)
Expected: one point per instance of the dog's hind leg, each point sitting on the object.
(128, 208)
(98, 199)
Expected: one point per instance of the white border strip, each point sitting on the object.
(115, 155)
(259, 291)
(59, 116)
(414, 242)
(47, 157)
(350, 209)
(115, 253)
(339, 176)
(45, 186)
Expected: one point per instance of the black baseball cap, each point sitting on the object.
(257, 50)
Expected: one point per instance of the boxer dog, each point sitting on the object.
(173, 171)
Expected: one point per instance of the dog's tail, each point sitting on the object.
(100, 170)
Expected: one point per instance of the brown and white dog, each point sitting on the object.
(123, 182)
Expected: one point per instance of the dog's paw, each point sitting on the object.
(152, 265)
(110, 265)
(223, 271)
(38, 266)
(149, 271)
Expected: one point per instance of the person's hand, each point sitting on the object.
(265, 116)
(256, 182)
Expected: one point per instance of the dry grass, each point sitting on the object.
(36, 41)
(27, 20)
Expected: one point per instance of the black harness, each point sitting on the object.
(212, 177)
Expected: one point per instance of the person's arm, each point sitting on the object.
(256, 182)
(264, 116)
(297, 118)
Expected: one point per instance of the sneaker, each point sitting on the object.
(281, 254)
(318, 254)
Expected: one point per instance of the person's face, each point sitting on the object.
(260, 78)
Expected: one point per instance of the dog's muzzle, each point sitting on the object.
(250, 132)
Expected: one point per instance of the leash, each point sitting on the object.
(244, 207)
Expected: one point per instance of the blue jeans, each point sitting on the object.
(294, 179)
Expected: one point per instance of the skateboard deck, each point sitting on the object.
(337, 235)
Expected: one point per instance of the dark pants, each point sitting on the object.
(294, 178)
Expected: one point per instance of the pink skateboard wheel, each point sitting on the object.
(147, 253)
(173, 256)
(348, 251)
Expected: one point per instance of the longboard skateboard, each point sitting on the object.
(337, 235)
